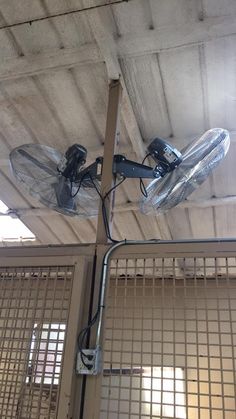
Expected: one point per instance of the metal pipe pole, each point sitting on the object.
(104, 275)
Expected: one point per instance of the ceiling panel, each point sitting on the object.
(218, 7)
(67, 101)
(145, 87)
(179, 223)
(225, 221)
(12, 127)
(173, 12)
(202, 222)
(149, 226)
(176, 93)
(128, 226)
(220, 59)
(26, 97)
(141, 17)
(181, 73)
(224, 175)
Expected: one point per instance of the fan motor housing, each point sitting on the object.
(165, 155)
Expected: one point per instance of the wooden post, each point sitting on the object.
(92, 396)
(111, 137)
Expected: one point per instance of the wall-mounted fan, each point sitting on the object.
(63, 183)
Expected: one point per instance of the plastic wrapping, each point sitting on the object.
(35, 168)
(199, 159)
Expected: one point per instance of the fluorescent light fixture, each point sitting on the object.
(12, 229)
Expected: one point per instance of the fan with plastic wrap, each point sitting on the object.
(65, 184)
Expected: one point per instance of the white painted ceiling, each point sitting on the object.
(177, 59)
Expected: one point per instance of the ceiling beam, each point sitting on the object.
(108, 48)
(51, 60)
(132, 206)
(171, 37)
(128, 45)
(201, 203)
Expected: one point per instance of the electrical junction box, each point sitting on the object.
(89, 362)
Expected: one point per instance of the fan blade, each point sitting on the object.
(199, 159)
(63, 195)
(37, 163)
(35, 168)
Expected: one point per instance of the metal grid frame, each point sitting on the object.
(186, 257)
(170, 311)
(32, 297)
(61, 280)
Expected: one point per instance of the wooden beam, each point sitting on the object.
(104, 50)
(131, 206)
(168, 38)
(205, 203)
(110, 50)
(107, 181)
(52, 60)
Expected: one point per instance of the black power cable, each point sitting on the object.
(141, 183)
(78, 187)
(86, 330)
(69, 12)
(104, 212)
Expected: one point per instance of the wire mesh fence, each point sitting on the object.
(170, 336)
(33, 319)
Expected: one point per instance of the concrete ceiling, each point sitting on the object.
(177, 59)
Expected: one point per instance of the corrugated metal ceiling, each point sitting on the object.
(177, 58)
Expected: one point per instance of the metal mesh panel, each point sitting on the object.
(33, 317)
(170, 335)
